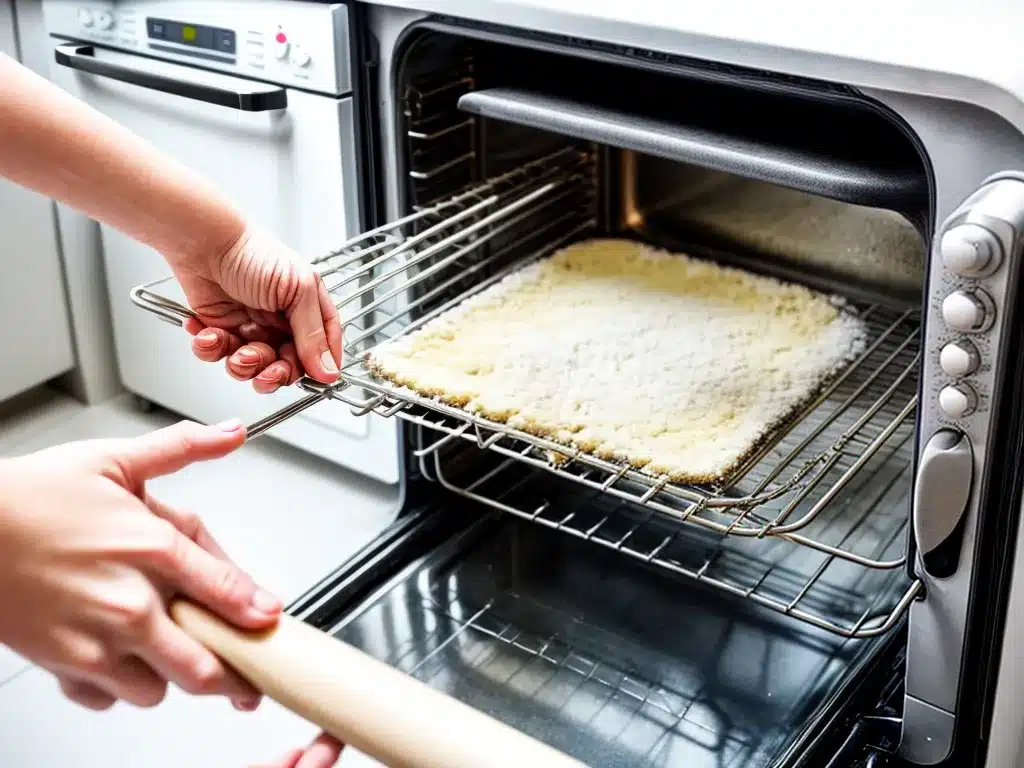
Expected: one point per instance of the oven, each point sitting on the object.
(843, 597)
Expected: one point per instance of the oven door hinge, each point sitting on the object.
(872, 743)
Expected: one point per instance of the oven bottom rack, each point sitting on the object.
(835, 594)
(606, 661)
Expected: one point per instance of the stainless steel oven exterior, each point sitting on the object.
(962, 641)
(973, 154)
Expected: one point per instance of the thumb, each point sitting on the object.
(310, 329)
(168, 450)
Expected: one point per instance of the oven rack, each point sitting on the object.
(842, 597)
(439, 250)
(779, 492)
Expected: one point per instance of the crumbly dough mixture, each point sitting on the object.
(673, 364)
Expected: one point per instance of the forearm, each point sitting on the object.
(62, 148)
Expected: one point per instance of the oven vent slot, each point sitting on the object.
(830, 163)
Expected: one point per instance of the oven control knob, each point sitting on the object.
(970, 250)
(105, 20)
(968, 311)
(958, 400)
(300, 57)
(85, 17)
(959, 359)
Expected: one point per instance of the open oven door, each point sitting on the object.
(608, 661)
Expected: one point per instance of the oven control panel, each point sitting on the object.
(971, 292)
(300, 44)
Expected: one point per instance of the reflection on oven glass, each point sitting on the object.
(614, 665)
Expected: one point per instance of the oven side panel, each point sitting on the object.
(1006, 737)
(966, 145)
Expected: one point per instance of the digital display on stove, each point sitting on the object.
(194, 35)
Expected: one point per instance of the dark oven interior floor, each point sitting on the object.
(604, 659)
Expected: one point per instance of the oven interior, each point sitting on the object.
(623, 620)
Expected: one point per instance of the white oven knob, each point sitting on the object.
(85, 17)
(967, 311)
(959, 359)
(970, 250)
(105, 20)
(300, 57)
(958, 400)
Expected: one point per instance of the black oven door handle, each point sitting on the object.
(83, 58)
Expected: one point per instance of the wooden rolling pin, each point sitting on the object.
(376, 709)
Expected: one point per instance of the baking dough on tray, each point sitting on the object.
(675, 365)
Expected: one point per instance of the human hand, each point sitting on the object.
(265, 310)
(322, 753)
(88, 559)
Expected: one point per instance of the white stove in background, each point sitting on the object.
(256, 95)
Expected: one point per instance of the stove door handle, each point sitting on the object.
(83, 59)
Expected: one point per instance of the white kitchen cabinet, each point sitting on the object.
(35, 339)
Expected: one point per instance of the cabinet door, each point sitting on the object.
(35, 341)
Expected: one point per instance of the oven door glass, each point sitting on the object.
(602, 658)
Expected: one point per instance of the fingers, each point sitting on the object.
(213, 344)
(288, 760)
(218, 584)
(179, 659)
(132, 680)
(86, 694)
(322, 753)
(250, 354)
(284, 372)
(250, 360)
(190, 524)
(308, 330)
(173, 448)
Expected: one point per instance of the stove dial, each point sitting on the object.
(105, 20)
(958, 400)
(959, 359)
(968, 311)
(970, 250)
(85, 17)
(300, 57)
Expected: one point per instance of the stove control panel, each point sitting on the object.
(300, 44)
(970, 313)
(975, 254)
